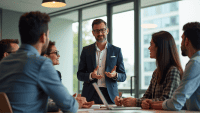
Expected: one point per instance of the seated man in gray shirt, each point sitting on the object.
(28, 78)
(188, 92)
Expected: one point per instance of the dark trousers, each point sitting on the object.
(97, 99)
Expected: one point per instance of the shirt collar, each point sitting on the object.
(196, 54)
(98, 48)
(29, 48)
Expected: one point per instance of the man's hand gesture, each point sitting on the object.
(112, 74)
(94, 74)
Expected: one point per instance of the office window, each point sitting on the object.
(147, 80)
(149, 66)
(174, 20)
(174, 15)
(147, 39)
(175, 34)
(174, 6)
(178, 48)
(123, 37)
(75, 56)
(165, 8)
(146, 53)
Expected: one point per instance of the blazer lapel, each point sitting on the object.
(108, 55)
(94, 56)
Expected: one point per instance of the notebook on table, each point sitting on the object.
(106, 103)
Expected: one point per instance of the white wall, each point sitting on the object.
(10, 20)
(61, 32)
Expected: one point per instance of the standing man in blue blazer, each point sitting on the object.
(102, 63)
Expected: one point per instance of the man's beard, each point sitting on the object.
(184, 51)
(101, 41)
(44, 47)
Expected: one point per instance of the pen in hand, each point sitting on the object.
(121, 100)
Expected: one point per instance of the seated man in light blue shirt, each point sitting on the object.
(28, 78)
(188, 92)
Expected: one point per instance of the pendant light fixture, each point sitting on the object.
(53, 3)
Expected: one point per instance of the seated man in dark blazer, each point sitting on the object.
(102, 63)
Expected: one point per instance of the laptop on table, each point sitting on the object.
(106, 103)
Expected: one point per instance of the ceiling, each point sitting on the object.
(90, 12)
(35, 5)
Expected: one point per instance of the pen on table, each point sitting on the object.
(120, 97)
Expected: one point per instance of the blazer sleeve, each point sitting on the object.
(82, 73)
(120, 68)
(49, 82)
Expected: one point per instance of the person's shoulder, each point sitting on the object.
(38, 59)
(91, 46)
(195, 59)
(173, 70)
(113, 47)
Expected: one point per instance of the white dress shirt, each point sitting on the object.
(101, 62)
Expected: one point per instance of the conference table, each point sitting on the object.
(103, 109)
(133, 111)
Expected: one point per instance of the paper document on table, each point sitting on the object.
(110, 105)
(125, 108)
(95, 107)
(82, 109)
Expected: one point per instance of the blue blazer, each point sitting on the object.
(88, 64)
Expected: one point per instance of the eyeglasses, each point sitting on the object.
(100, 30)
(55, 52)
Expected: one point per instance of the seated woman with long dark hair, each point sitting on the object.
(167, 75)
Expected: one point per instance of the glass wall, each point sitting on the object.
(169, 17)
(123, 37)
(75, 56)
